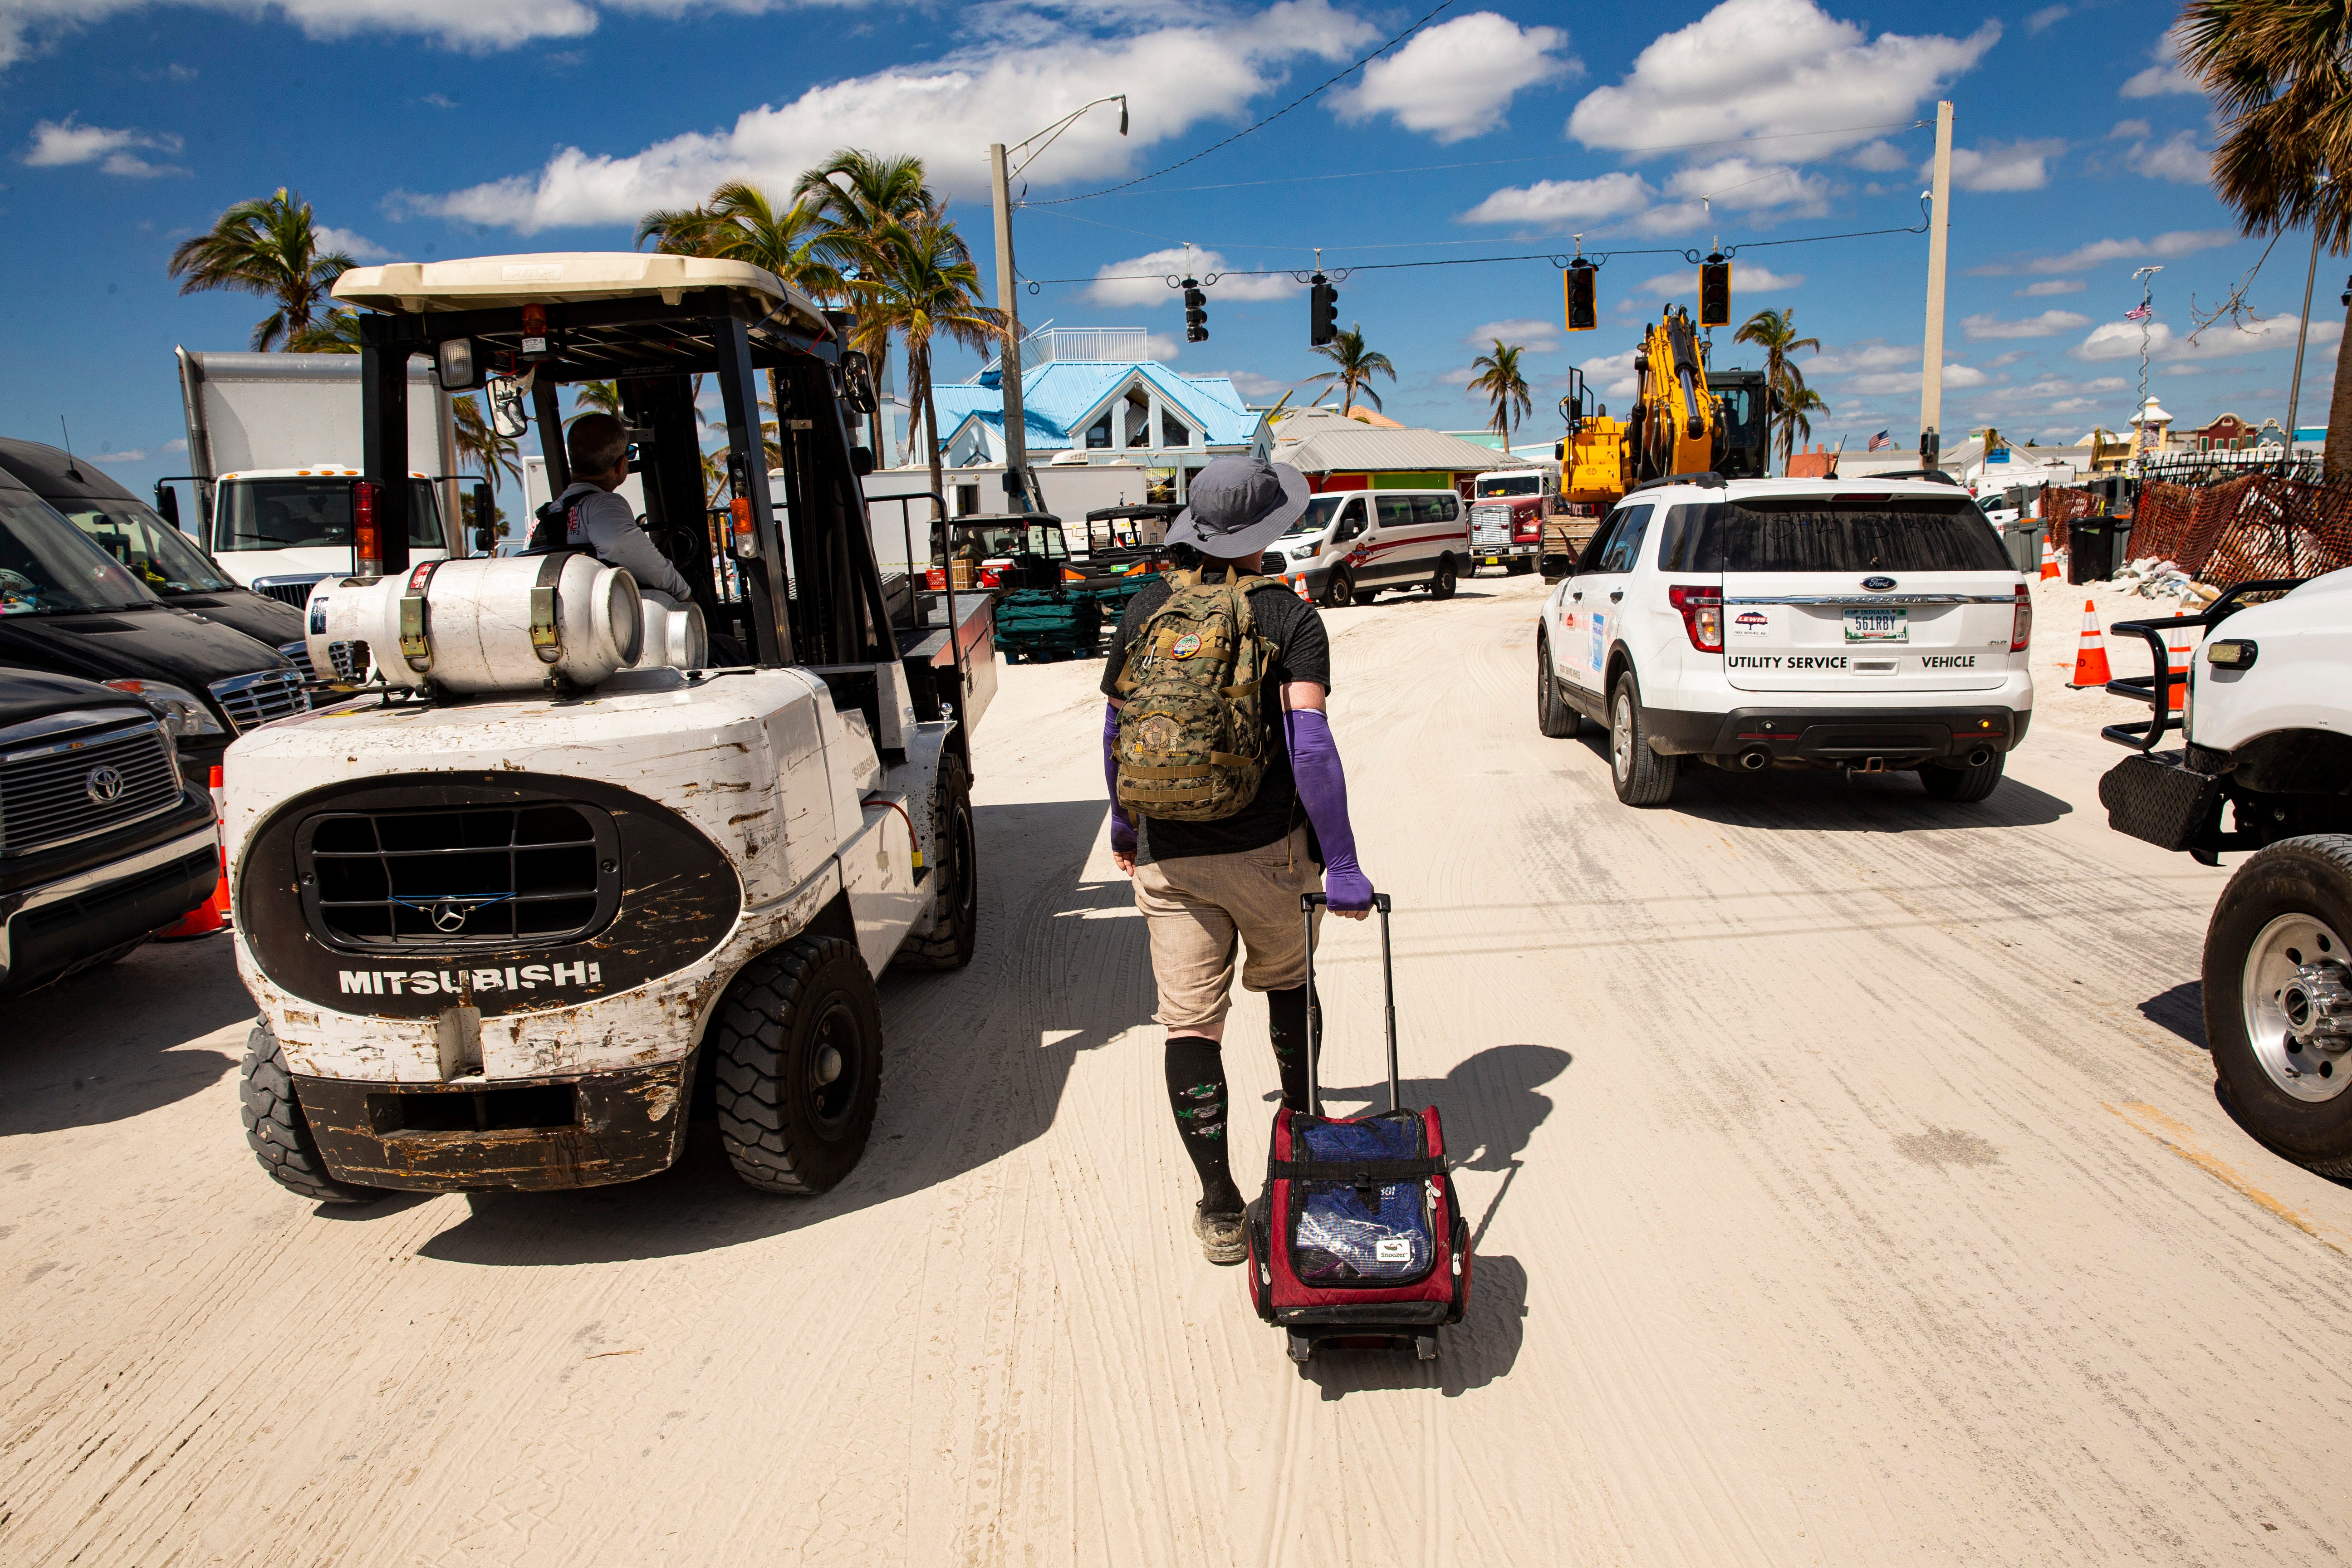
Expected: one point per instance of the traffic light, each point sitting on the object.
(1715, 291)
(1322, 312)
(1577, 284)
(1196, 313)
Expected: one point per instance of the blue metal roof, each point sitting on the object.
(1059, 399)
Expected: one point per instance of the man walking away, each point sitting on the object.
(1218, 864)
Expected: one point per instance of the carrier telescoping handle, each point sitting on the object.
(1306, 902)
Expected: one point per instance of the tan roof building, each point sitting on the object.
(1338, 453)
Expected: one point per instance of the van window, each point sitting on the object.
(1437, 507)
(1396, 512)
(1625, 539)
(166, 560)
(1316, 517)
(308, 514)
(1820, 534)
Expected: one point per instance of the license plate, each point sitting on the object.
(1890, 623)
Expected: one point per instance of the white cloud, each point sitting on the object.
(1745, 278)
(2050, 286)
(2163, 77)
(2121, 340)
(2223, 342)
(61, 143)
(2020, 165)
(2048, 324)
(2083, 258)
(459, 24)
(1611, 376)
(1457, 80)
(357, 246)
(1772, 68)
(1879, 157)
(2003, 361)
(1745, 186)
(1872, 353)
(2130, 130)
(1142, 280)
(1564, 201)
(2042, 20)
(945, 112)
(135, 455)
(1535, 333)
(1955, 377)
(1249, 384)
(2177, 157)
(1460, 375)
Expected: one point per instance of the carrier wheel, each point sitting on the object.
(2278, 998)
(279, 1132)
(1441, 586)
(1642, 776)
(955, 922)
(1338, 590)
(1963, 783)
(799, 1044)
(1553, 717)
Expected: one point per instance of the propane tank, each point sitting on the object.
(486, 623)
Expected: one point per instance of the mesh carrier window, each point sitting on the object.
(535, 874)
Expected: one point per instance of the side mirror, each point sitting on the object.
(167, 502)
(861, 460)
(1555, 567)
(486, 540)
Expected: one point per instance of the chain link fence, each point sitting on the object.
(2260, 525)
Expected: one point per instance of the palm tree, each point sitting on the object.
(854, 194)
(594, 397)
(1774, 332)
(270, 247)
(336, 333)
(479, 444)
(2283, 98)
(1803, 403)
(1357, 365)
(918, 279)
(1504, 387)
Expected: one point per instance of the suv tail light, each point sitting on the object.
(2021, 630)
(1702, 611)
(367, 540)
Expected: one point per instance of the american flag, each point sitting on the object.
(2139, 312)
(1883, 438)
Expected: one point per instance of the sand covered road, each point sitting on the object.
(1852, 1190)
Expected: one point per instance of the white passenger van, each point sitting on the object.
(1351, 544)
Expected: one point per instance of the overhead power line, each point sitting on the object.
(1261, 124)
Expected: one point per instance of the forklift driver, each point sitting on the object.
(588, 516)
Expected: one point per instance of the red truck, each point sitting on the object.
(1508, 509)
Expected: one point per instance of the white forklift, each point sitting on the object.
(571, 876)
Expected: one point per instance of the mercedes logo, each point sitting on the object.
(449, 915)
(103, 784)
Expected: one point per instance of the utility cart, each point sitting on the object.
(592, 864)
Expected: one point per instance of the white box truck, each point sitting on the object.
(273, 450)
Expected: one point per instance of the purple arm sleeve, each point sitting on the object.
(1122, 826)
(1323, 790)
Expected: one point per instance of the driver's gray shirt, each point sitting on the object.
(597, 520)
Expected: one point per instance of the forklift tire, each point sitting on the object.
(799, 1044)
(2283, 922)
(279, 1132)
(955, 930)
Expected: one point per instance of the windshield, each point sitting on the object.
(1811, 533)
(991, 540)
(1516, 485)
(1317, 516)
(48, 567)
(160, 556)
(309, 514)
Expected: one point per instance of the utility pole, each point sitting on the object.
(1931, 365)
(2294, 387)
(1016, 435)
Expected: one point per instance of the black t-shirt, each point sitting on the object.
(1302, 652)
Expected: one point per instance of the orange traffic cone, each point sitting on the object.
(212, 914)
(2179, 647)
(2048, 561)
(2091, 652)
(1299, 583)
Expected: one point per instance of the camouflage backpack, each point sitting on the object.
(1192, 742)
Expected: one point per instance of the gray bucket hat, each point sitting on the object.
(1237, 506)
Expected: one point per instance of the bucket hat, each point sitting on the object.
(1236, 505)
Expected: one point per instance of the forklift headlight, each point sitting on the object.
(454, 360)
(182, 712)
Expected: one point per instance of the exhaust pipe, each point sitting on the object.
(1755, 759)
(1981, 756)
(1870, 765)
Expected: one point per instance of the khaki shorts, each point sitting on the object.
(1194, 908)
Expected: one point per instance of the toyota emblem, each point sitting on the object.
(103, 784)
(1878, 584)
(449, 915)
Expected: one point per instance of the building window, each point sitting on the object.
(1098, 433)
(967, 499)
(1173, 432)
(1139, 417)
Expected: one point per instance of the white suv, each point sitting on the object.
(1870, 623)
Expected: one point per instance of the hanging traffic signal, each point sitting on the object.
(1196, 313)
(1577, 284)
(1322, 312)
(1715, 291)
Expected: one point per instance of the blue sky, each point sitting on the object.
(440, 128)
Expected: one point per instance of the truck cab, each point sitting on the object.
(1508, 509)
(280, 531)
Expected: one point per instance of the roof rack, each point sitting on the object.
(1710, 480)
(1935, 476)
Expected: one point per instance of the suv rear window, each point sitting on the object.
(1830, 533)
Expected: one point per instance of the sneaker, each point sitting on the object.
(1220, 1233)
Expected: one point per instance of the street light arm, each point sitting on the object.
(1051, 133)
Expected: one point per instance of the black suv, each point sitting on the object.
(69, 609)
(174, 567)
(102, 842)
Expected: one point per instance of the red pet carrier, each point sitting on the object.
(1358, 1239)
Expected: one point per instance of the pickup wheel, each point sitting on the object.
(1339, 589)
(2278, 999)
(1963, 783)
(955, 871)
(1642, 776)
(277, 1132)
(1441, 586)
(1554, 718)
(799, 1044)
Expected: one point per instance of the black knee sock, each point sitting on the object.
(1196, 1092)
(1286, 1022)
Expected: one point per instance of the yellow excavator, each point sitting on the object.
(1681, 423)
